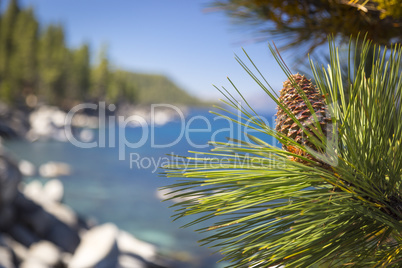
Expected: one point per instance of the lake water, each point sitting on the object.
(108, 189)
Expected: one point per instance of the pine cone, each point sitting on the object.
(290, 98)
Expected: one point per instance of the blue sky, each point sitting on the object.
(176, 38)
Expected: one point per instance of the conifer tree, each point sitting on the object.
(8, 21)
(23, 64)
(52, 57)
(100, 76)
(35, 60)
(79, 73)
(121, 87)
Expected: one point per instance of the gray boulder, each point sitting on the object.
(13, 122)
(49, 197)
(23, 235)
(45, 225)
(10, 177)
(7, 217)
(63, 236)
(63, 213)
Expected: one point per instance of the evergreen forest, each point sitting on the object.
(35, 62)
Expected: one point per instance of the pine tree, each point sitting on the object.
(23, 64)
(100, 76)
(52, 59)
(79, 73)
(8, 21)
(121, 87)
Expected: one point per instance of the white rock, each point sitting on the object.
(59, 118)
(59, 134)
(164, 194)
(33, 263)
(129, 244)
(34, 191)
(85, 121)
(97, 248)
(161, 118)
(54, 190)
(27, 168)
(45, 252)
(87, 135)
(126, 261)
(66, 258)
(54, 169)
(45, 120)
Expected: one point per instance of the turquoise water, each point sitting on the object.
(109, 190)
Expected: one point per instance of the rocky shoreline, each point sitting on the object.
(49, 122)
(38, 231)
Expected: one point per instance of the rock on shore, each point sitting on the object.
(13, 122)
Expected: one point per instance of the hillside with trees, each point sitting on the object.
(159, 88)
(35, 62)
